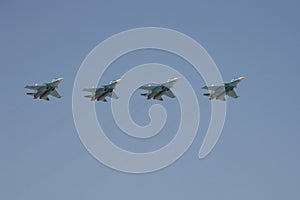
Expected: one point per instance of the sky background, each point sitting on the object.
(257, 156)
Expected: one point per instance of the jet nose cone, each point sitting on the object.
(60, 79)
(118, 81)
(176, 78)
(242, 78)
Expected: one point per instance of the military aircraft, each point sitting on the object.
(100, 93)
(219, 92)
(156, 91)
(42, 91)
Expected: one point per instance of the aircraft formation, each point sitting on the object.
(154, 91)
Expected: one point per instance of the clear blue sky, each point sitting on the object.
(257, 156)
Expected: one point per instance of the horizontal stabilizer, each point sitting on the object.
(206, 94)
(144, 94)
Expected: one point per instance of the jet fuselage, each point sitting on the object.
(43, 91)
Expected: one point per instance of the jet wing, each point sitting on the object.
(111, 86)
(54, 84)
(170, 94)
(33, 87)
(170, 83)
(221, 97)
(148, 87)
(90, 89)
(212, 87)
(232, 94)
(233, 84)
(113, 95)
(55, 94)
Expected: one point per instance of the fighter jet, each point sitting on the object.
(42, 91)
(156, 91)
(219, 92)
(100, 93)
